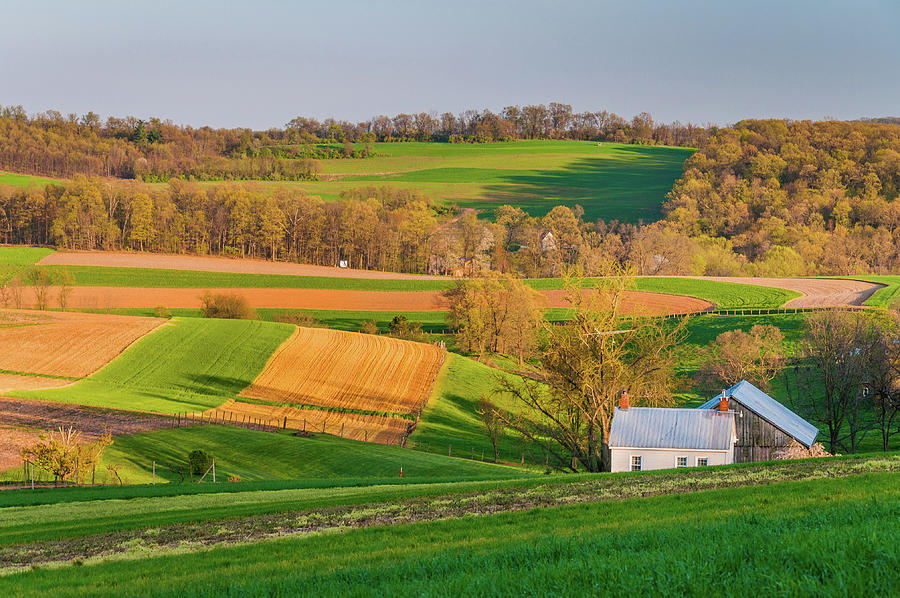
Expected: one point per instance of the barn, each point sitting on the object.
(645, 438)
(763, 425)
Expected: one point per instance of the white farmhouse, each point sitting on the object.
(644, 438)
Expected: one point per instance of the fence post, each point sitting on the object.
(214, 470)
(449, 450)
(342, 429)
(304, 424)
(154, 473)
(284, 427)
(31, 466)
(367, 436)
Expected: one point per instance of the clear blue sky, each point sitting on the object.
(260, 63)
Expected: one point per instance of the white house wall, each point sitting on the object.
(620, 458)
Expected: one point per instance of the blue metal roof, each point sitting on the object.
(770, 410)
(654, 427)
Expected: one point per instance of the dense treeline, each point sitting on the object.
(790, 198)
(388, 229)
(51, 144)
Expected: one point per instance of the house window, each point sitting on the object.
(681, 462)
(702, 461)
(635, 464)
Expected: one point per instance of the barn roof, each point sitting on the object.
(653, 427)
(770, 410)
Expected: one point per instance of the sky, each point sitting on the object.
(261, 63)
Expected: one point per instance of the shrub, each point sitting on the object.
(199, 461)
(401, 327)
(162, 311)
(299, 318)
(220, 305)
(369, 327)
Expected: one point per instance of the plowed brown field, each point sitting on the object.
(331, 368)
(637, 302)
(22, 420)
(369, 428)
(66, 343)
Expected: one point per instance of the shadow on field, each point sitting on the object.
(626, 183)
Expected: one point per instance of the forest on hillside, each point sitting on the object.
(761, 198)
(50, 144)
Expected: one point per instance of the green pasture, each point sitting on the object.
(15, 259)
(821, 537)
(24, 180)
(887, 296)
(188, 364)
(449, 422)
(255, 455)
(613, 181)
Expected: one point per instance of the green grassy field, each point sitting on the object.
(814, 537)
(186, 365)
(613, 181)
(15, 259)
(888, 296)
(255, 455)
(450, 422)
(23, 180)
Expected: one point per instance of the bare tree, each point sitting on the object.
(40, 280)
(65, 281)
(493, 423)
(755, 356)
(883, 379)
(827, 380)
(586, 363)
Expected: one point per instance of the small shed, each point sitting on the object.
(645, 438)
(763, 424)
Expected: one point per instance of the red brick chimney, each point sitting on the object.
(723, 402)
(623, 400)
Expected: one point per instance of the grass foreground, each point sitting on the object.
(816, 528)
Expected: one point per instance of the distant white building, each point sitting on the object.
(645, 438)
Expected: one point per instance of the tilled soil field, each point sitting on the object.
(636, 302)
(349, 370)
(66, 343)
(22, 420)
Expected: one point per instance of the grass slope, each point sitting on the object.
(255, 455)
(818, 538)
(15, 259)
(191, 364)
(887, 296)
(450, 421)
(612, 181)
